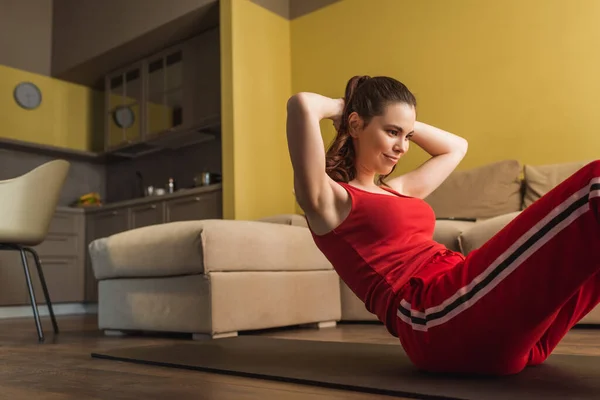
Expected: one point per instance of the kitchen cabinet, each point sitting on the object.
(124, 106)
(192, 204)
(164, 105)
(146, 214)
(62, 257)
(202, 71)
(13, 286)
(109, 222)
(65, 279)
(175, 91)
(194, 207)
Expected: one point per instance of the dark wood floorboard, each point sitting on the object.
(62, 367)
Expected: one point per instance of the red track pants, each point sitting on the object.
(508, 304)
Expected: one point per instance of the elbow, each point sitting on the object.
(462, 147)
(296, 102)
(457, 148)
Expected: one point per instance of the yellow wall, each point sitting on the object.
(518, 79)
(256, 83)
(70, 115)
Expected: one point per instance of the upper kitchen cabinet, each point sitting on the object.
(164, 88)
(203, 97)
(124, 106)
(169, 96)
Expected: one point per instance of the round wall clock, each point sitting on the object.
(124, 117)
(27, 95)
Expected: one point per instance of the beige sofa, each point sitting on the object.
(214, 278)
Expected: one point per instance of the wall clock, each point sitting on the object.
(124, 117)
(27, 95)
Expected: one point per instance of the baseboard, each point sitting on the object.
(59, 309)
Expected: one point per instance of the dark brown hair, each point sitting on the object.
(368, 97)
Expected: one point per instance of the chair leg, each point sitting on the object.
(36, 315)
(38, 265)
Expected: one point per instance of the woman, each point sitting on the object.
(503, 307)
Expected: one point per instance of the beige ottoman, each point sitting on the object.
(213, 278)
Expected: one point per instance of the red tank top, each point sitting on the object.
(382, 243)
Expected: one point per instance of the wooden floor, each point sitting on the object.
(61, 368)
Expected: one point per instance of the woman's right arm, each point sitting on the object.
(312, 185)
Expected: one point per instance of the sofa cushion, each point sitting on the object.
(540, 179)
(353, 309)
(447, 232)
(482, 192)
(482, 231)
(196, 247)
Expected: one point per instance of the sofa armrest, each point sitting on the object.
(202, 246)
(482, 231)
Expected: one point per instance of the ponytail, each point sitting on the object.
(340, 157)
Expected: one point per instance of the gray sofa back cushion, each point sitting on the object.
(483, 192)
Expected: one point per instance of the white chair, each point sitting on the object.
(27, 205)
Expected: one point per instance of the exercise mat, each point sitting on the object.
(370, 368)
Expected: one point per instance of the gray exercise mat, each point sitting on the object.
(371, 368)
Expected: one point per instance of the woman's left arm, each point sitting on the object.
(447, 151)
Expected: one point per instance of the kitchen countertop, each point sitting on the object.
(144, 200)
(74, 210)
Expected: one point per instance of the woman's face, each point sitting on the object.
(384, 140)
